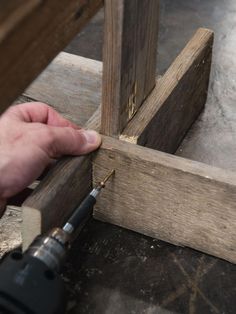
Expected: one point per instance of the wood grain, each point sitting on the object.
(129, 60)
(42, 197)
(177, 100)
(64, 187)
(12, 12)
(167, 197)
(72, 85)
(42, 29)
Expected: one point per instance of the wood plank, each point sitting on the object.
(177, 100)
(58, 193)
(71, 84)
(42, 197)
(12, 12)
(43, 30)
(52, 201)
(130, 45)
(167, 197)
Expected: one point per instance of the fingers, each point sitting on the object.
(68, 141)
(39, 112)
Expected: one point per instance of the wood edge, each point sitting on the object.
(34, 184)
(129, 139)
(218, 176)
(84, 14)
(100, 217)
(119, 116)
(109, 67)
(131, 128)
(31, 218)
(42, 210)
(94, 121)
(88, 64)
(185, 165)
(89, 67)
(69, 59)
(14, 208)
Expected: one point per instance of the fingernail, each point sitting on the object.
(91, 136)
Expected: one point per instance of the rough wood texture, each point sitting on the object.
(42, 29)
(178, 98)
(42, 199)
(167, 197)
(130, 43)
(72, 85)
(58, 193)
(54, 198)
(52, 201)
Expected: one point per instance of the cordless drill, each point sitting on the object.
(30, 282)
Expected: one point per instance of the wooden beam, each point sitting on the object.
(42, 199)
(72, 85)
(12, 12)
(52, 201)
(177, 200)
(63, 188)
(56, 86)
(129, 57)
(177, 100)
(40, 31)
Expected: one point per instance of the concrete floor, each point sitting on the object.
(112, 270)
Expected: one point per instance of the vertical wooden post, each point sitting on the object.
(129, 60)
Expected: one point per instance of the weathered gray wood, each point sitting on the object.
(52, 201)
(70, 180)
(167, 197)
(32, 34)
(178, 98)
(71, 84)
(42, 197)
(129, 54)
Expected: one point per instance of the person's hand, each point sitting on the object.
(31, 135)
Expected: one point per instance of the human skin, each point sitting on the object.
(31, 136)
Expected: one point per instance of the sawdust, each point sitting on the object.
(10, 230)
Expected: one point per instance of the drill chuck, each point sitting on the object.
(50, 249)
(31, 282)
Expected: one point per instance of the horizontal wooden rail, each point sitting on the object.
(168, 197)
(43, 199)
(32, 33)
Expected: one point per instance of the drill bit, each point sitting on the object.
(85, 208)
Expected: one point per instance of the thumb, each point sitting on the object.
(69, 141)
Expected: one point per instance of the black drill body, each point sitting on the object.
(27, 285)
(30, 282)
